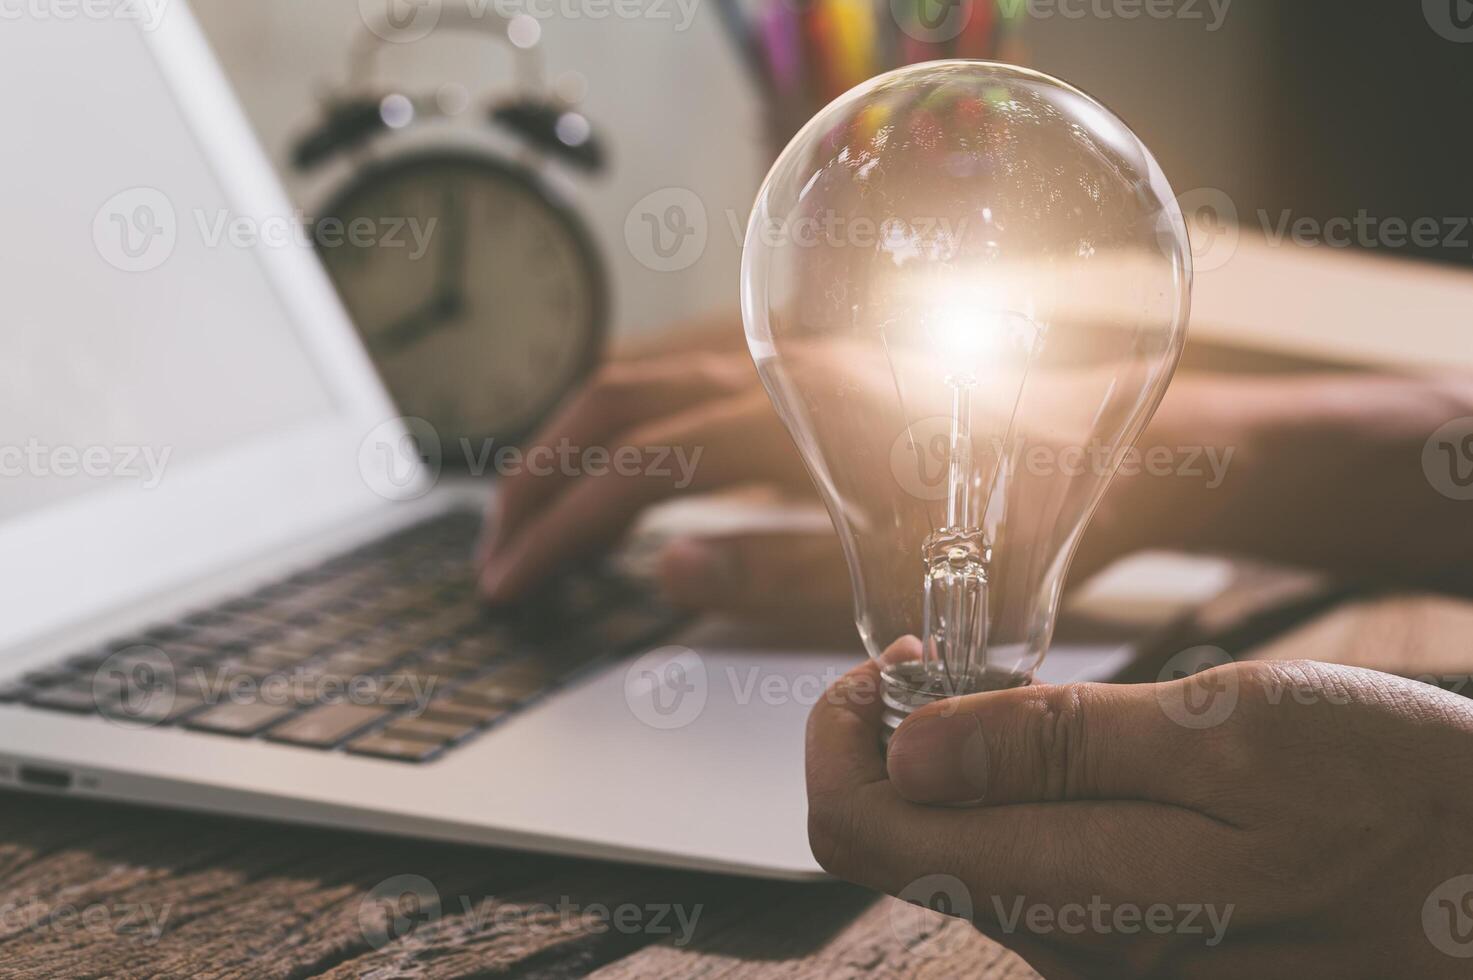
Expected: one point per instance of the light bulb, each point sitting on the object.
(966, 287)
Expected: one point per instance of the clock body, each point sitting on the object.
(478, 293)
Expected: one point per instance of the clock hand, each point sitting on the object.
(450, 281)
(418, 323)
(448, 299)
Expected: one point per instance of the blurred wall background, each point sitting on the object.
(671, 105)
(676, 110)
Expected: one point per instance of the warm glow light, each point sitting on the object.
(965, 332)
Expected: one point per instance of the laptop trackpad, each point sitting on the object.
(697, 753)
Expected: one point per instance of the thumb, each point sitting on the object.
(762, 573)
(1051, 743)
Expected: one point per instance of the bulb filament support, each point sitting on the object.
(954, 614)
(956, 561)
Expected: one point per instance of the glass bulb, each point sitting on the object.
(965, 286)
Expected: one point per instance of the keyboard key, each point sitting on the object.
(449, 664)
(326, 725)
(158, 709)
(171, 655)
(462, 712)
(13, 691)
(243, 667)
(198, 680)
(273, 661)
(87, 661)
(350, 618)
(384, 747)
(434, 730)
(285, 652)
(166, 711)
(184, 655)
(421, 636)
(351, 665)
(291, 600)
(109, 684)
(74, 696)
(407, 686)
(507, 686)
(482, 646)
(243, 718)
(332, 632)
(223, 636)
(50, 675)
(378, 651)
(490, 696)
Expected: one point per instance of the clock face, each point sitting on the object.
(478, 296)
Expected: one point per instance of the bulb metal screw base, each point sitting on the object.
(906, 687)
(910, 686)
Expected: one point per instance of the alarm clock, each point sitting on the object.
(475, 286)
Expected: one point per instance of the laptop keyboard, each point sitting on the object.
(385, 651)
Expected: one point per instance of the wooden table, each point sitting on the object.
(93, 890)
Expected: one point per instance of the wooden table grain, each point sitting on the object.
(93, 890)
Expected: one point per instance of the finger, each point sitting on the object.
(1050, 743)
(714, 445)
(618, 397)
(844, 753)
(761, 574)
(1046, 853)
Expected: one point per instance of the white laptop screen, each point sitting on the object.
(180, 390)
(141, 332)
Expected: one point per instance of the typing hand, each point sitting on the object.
(686, 420)
(698, 419)
(1257, 819)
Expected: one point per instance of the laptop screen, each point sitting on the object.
(139, 332)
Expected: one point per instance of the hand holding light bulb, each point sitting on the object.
(1062, 315)
(1287, 839)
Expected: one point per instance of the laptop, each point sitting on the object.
(230, 585)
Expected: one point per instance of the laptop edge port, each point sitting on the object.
(44, 777)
